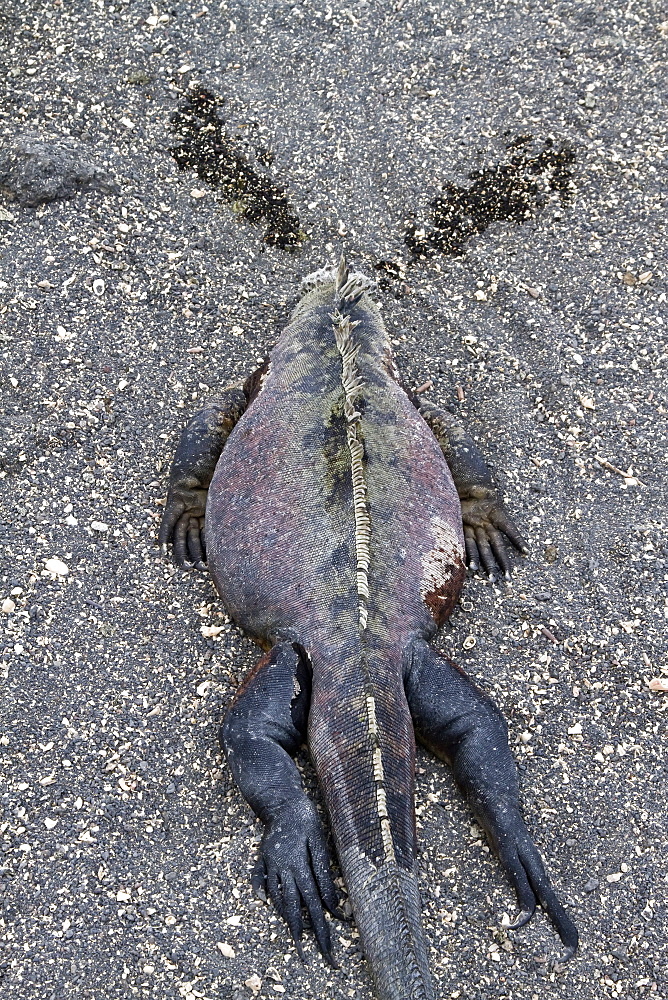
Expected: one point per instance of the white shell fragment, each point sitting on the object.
(57, 567)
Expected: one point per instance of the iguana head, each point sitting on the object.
(319, 287)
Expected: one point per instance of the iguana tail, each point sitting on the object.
(364, 752)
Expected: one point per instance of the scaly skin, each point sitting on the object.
(334, 535)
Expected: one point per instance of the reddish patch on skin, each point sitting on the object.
(251, 675)
(442, 599)
(255, 381)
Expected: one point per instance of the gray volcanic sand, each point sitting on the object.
(131, 290)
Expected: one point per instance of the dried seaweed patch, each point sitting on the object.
(506, 192)
(220, 161)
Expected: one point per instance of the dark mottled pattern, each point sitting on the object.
(281, 546)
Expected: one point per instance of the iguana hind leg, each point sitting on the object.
(264, 726)
(195, 461)
(462, 725)
(486, 521)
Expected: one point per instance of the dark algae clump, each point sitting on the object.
(219, 160)
(506, 192)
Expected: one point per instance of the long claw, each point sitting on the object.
(292, 911)
(311, 897)
(567, 954)
(194, 543)
(547, 897)
(323, 877)
(300, 951)
(472, 554)
(259, 879)
(173, 512)
(500, 520)
(273, 890)
(522, 918)
(485, 551)
(181, 542)
(499, 550)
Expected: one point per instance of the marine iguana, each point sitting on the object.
(336, 513)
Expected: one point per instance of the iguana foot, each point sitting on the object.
(487, 532)
(183, 525)
(293, 870)
(461, 724)
(522, 863)
(194, 464)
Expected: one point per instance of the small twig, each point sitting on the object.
(460, 393)
(93, 604)
(548, 635)
(619, 472)
(425, 387)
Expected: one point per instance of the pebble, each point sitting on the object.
(591, 885)
(8, 606)
(57, 567)
(225, 949)
(99, 526)
(98, 286)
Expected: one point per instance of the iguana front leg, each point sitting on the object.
(460, 724)
(483, 513)
(264, 726)
(193, 467)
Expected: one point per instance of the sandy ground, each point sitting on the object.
(125, 849)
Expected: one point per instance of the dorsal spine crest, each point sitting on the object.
(349, 290)
(352, 382)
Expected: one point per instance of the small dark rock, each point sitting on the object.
(591, 885)
(34, 171)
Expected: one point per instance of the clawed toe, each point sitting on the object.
(522, 918)
(527, 874)
(293, 871)
(183, 525)
(488, 535)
